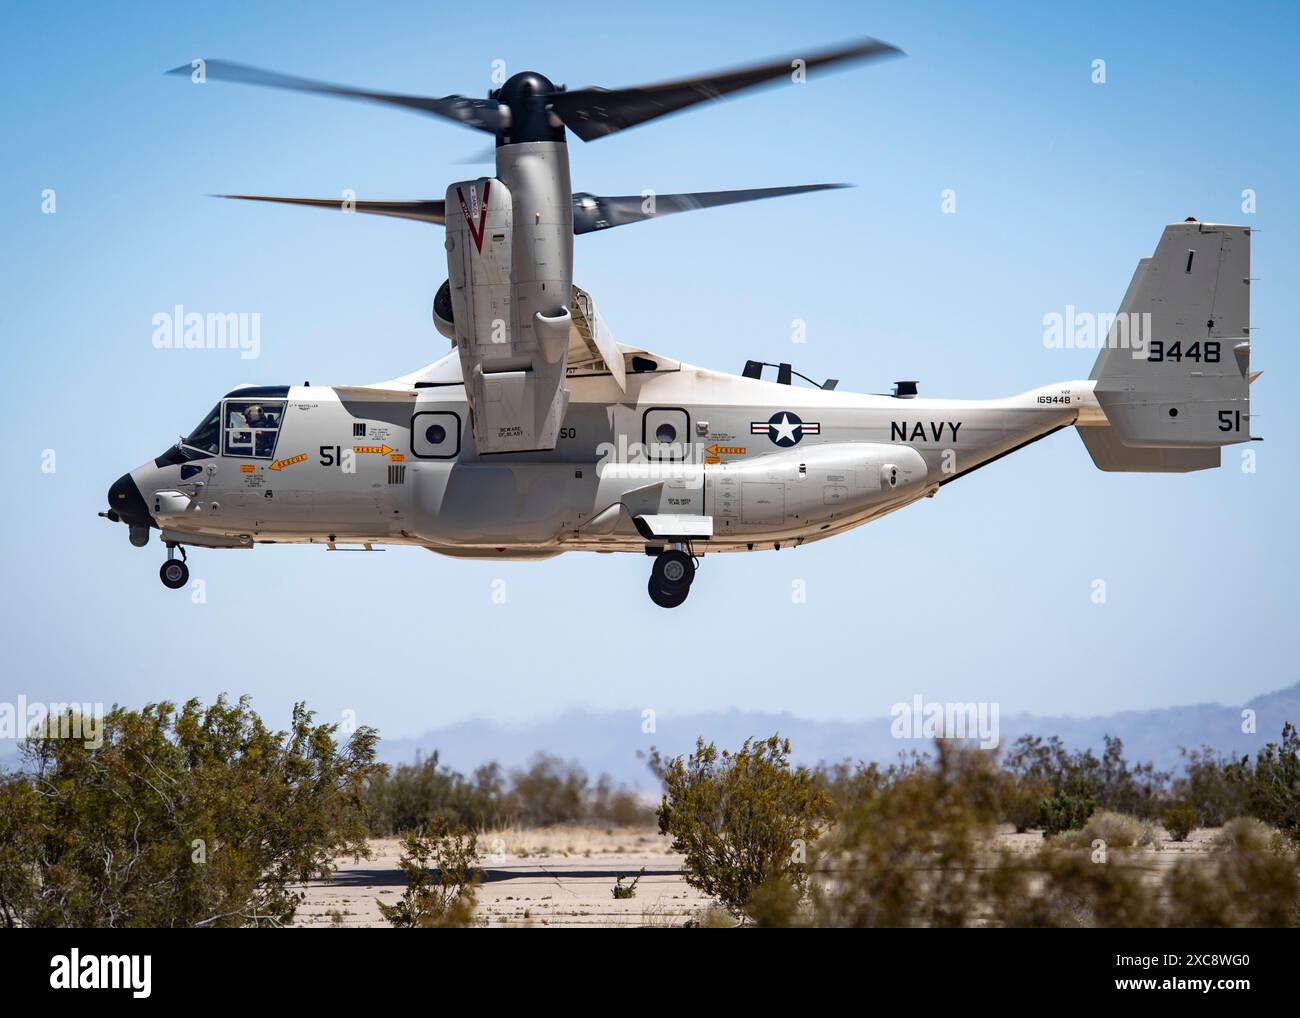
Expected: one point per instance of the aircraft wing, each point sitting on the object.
(590, 339)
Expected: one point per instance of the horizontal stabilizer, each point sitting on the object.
(1109, 453)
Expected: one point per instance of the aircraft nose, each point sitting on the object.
(124, 498)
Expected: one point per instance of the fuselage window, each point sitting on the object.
(207, 436)
(251, 427)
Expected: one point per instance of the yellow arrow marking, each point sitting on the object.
(726, 450)
(281, 464)
(383, 450)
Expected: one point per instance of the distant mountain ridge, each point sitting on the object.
(608, 742)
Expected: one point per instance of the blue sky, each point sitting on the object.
(982, 593)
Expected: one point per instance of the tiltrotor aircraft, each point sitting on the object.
(539, 433)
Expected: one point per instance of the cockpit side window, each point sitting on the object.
(207, 436)
(251, 427)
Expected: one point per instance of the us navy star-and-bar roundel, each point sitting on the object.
(785, 428)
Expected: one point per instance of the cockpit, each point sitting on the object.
(246, 428)
(250, 427)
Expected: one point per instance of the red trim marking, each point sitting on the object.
(477, 235)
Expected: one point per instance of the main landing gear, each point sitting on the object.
(174, 574)
(671, 577)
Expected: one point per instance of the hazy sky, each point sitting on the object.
(983, 593)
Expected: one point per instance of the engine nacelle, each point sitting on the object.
(509, 242)
(444, 317)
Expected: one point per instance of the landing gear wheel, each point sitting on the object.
(174, 574)
(667, 598)
(673, 570)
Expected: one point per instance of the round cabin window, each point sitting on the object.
(436, 434)
(665, 434)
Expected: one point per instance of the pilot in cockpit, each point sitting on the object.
(255, 417)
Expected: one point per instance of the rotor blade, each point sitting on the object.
(482, 114)
(591, 212)
(424, 211)
(592, 113)
(487, 154)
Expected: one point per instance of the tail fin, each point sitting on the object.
(1174, 376)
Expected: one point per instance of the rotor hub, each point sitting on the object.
(527, 95)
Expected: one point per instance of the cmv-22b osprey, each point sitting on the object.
(539, 433)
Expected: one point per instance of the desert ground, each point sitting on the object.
(556, 876)
(564, 876)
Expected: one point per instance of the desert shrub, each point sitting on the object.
(1067, 808)
(741, 818)
(1113, 784)
(410, 796)
(714, 917)
(1180, 820)
(1252, 878)
(1213, 785)
(1246, 834)
(1138, 790)
(1273, 784)
(440, 863)
(1061, 888)
(622, 890)
(1047, 761)
(617, 805)
(196, 817)
(1022, 800)
(549, 792)
(1115, 829)
(907, 853)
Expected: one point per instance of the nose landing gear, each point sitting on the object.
(671, 577)
(174, 574)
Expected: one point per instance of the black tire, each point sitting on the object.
(174, 574)
(667, 598)
(673, 570)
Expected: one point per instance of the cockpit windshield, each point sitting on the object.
(251, 427)
(207, 436)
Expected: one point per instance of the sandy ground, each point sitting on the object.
(561, 876)
(564, 876)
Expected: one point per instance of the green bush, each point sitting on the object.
(196, 817)
(622, 890)
(1274, 783)
(440, 863)
(548, 791)
(1022, 802)
(1180, 821)
(741, 818)
(1213, 785)
(1067, 809)
(410, 796)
